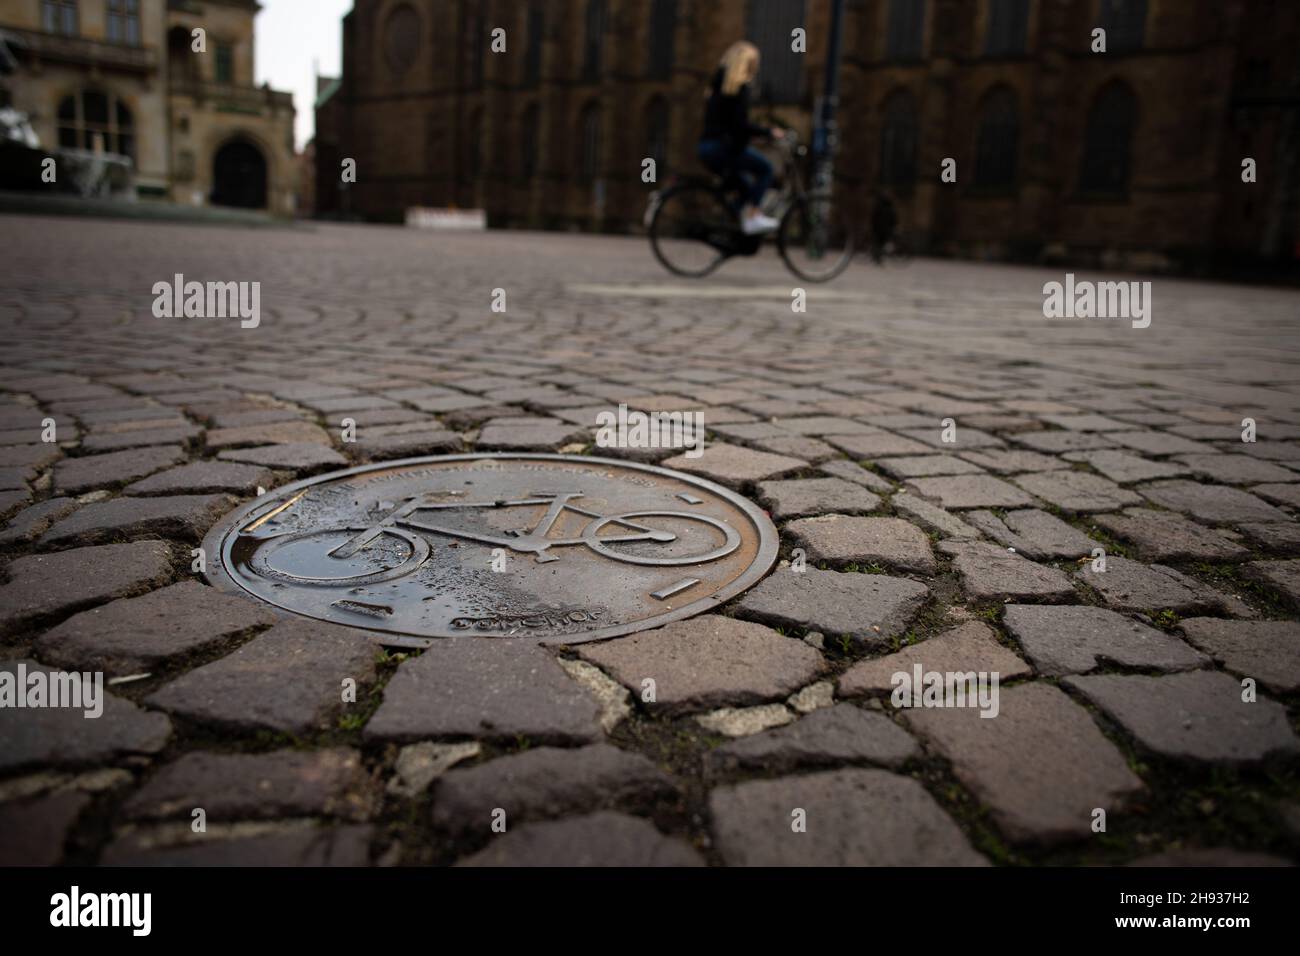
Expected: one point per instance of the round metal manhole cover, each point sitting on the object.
(556, 547)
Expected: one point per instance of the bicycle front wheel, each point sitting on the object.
(693, 230)
(815, 239)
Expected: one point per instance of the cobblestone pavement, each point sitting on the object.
(1122, 691)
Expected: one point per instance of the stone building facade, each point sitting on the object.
(1130, 156)
(123, 76)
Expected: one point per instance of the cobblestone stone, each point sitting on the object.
(30, 523)
(707, 662)
(891, 542)
(736, 466)
(299, 844)
(1166, 536)
(816, 496)
(598, 839)
(1126, 468)
(463, 687)
(1041, 765)
(284, 783)
(1075, 640)
(1128, 585)
(990, 572)
(57, 736)
(1268, 651)
(36, 830)
(1282, 575)
(869, 608)
(971, 491)
(294, 456)
(1033, 533)
(1078, 491)
(545, 782)
(205, 478)
(49, 584)
(1194, 716)
(288, 679)
(1237, 469)
(74, 476)
(967, 647)
(854, 818)
(186, 517)
(1215, 504)
(826, 737)
(850, 471)
(136, 634)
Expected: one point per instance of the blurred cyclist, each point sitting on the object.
(724, 148)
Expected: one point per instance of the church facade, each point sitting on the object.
(543, 112)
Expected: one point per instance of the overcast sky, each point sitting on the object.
(291, 34)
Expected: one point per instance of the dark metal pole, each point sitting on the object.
(826, 135)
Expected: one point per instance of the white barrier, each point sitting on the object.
(446, 219)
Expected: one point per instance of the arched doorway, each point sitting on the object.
(239, 176)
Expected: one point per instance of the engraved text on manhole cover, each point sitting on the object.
(556, 547)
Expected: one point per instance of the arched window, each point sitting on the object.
(1125, 23)
(997, 141)
(529, 142)
(59, 16)
(95, 120)
(1108, 142)
(656, 126)
(780, 72)
(182, 61)
(402, 38)
(905, 33)
(478, 40)
(663, 26)
(589, 140)
(533, 52)
(124, 22)
(898, 140)
(1008, 26)
(473, 147)
(594, 40)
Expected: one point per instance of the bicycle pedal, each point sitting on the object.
(545, 558)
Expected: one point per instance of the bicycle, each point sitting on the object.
(392, 541)
(694, 224)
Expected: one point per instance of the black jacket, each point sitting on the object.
(726, 118)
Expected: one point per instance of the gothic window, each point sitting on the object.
(898, 137)
(1007, 27)
(1108, 142)
(780, 72)
(997, 140)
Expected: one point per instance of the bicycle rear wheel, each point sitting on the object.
(693, 230)
(815, 239)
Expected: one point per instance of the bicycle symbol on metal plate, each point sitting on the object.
(446, 546)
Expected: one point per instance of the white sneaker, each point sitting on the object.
(756, 224)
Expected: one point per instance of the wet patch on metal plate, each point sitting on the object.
(546, 547)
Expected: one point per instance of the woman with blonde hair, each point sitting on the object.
(724, 148)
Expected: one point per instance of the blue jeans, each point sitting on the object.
(754, 170)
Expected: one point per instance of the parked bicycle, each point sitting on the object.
(694, 223)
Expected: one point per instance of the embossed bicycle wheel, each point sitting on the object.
(439, 547)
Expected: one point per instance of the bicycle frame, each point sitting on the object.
(533, 541)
